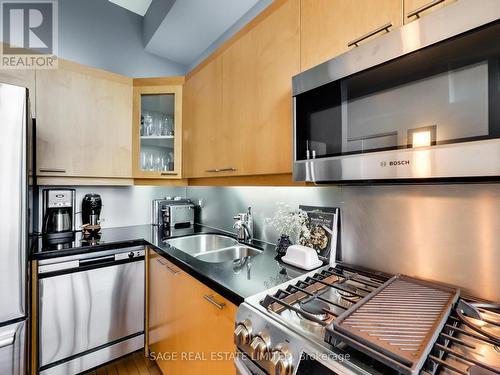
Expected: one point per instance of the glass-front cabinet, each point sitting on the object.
(157, 131)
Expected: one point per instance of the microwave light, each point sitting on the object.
(421, 138)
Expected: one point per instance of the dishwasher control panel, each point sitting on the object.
(130, 254)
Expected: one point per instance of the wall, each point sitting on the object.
(238, 25)
(124, 205)
(446, 233)
(103, 35)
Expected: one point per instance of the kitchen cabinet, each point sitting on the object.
(256, 94)
(327, 26)
(188, 323)
(157, 131)
(24, 78)
(204, 143)
(427, 6)
(84, 119)
(238, 105)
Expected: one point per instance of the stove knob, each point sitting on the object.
(131, 254)
(242, 333)
(259, 346)
(281, 361)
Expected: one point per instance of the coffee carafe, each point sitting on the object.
(58, 213)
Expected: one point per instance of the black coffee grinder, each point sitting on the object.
(91, 210)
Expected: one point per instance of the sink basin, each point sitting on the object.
(212, 248)
(201, 243)
(228, 254)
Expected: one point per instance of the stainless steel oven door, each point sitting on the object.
(90, 307)
(246, 367)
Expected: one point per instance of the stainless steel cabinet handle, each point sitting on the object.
(169, 173)
(423, 8)
(7, 339)
(356, 41)
(161, 261)
(172, 271)
(52, 170)
(228, 169)
(210, 299)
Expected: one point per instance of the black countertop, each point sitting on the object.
(233, 280)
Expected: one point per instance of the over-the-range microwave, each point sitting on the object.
(420, 103)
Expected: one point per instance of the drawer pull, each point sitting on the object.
(172, 271)
(356, 42)
(161, 261)
(423, 8)
(52, 170)
(210, 299)
(169, 173)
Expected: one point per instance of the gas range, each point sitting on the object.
(340, 320)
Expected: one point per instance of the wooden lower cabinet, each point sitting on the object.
(187, 334)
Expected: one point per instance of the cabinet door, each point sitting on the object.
(84, 119)
(190, 327)
(210, 331)
(23, 78)
(168, 318)
(203, 138)
(412, 5)
(327, 26)
(157, 131)
(256, 94)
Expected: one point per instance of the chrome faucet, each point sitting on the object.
(244, 226)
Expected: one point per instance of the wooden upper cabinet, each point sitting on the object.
(84, 119)
(157, 129)
(257, 73)
(410, 6)
(202, 133)
(327, 26)
(24, 78)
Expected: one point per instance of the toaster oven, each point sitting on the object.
(172, 212)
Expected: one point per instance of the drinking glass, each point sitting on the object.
(148, 124)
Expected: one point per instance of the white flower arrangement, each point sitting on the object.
(292, 222)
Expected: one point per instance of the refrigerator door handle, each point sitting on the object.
(7, 339)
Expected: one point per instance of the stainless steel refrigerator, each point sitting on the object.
(17, 185)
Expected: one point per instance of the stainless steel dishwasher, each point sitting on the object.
(91, 309)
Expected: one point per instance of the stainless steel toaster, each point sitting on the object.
(172, 212)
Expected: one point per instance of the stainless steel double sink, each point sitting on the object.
(213, 248)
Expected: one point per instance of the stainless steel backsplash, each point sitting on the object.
(446, 233)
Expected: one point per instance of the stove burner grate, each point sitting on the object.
(315, 307)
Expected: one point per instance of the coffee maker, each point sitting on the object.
(58, 208)
(91, 211)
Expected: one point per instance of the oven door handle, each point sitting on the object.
(96, 261)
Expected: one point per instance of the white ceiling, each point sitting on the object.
(191, 26)
(137, 6)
